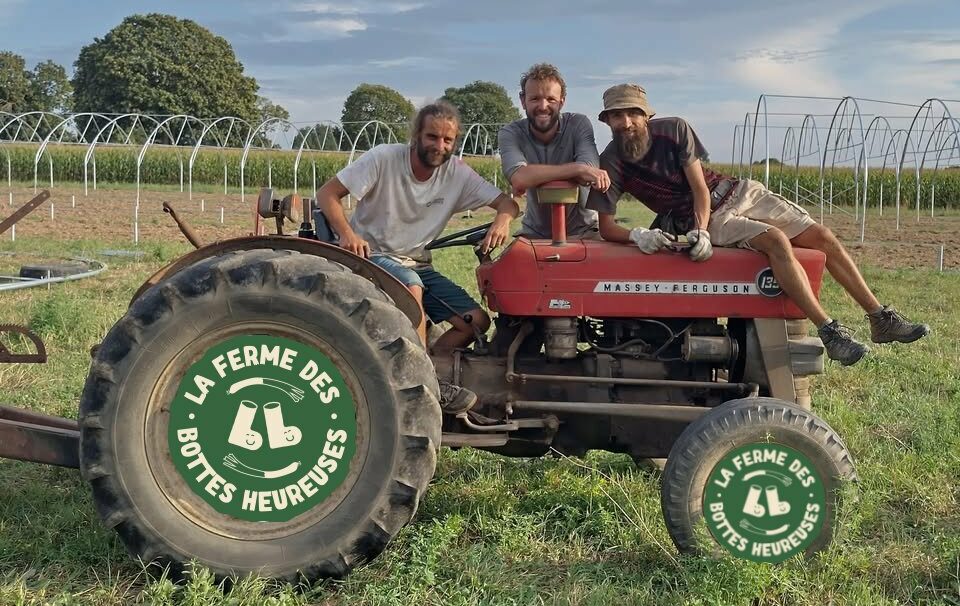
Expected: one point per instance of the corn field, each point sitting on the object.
(170, 166)
(214, 166)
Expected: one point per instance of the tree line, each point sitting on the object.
(159, 64)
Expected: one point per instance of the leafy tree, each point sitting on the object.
(484, 103)
(375, 102)
(14, 82)
(50, 89)
(159, 64)
(267, 109)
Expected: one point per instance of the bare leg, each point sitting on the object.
(839, 264)
(417, 292)
(462, 333)
(789, 273)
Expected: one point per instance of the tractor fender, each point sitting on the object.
(402, 297)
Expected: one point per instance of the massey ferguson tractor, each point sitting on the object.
(265, 406)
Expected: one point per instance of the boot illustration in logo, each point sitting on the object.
(775, 506)
(278, 434)
(242, 433)
(752, 506)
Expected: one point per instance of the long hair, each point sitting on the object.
(439, 109)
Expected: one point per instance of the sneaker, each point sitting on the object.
(455, 399)
(887, 326)
(840, 344)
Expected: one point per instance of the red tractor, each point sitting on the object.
(264, 406)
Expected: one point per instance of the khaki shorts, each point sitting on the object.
(751, 210)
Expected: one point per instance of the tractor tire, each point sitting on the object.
(172, 458)
(764, 477)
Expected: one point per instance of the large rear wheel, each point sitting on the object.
(260, 412)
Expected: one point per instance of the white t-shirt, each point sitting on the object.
(399, 215)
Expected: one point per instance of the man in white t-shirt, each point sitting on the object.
(406, 195)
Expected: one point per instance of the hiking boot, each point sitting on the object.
(840, 344)
(887, 326)
(455, 399)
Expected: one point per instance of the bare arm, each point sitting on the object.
(498, 233)
(701, 193)
(533, 175)
(329, 200)
(610, 231)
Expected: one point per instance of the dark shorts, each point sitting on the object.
(436, 288)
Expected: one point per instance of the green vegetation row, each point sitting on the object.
(162, 166)
(848, 186)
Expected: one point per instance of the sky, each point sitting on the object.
(706, 61)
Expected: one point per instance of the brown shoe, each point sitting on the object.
(455, 399)
(887, 326)
(840, 344)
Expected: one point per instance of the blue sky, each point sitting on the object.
(705, 61)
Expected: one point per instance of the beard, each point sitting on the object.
(432, 158)
(552, 119)
(633, 144)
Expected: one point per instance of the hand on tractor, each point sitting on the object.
(649, 240)
(497, 234)
(596, 178)
(355, 244)
(700, 247)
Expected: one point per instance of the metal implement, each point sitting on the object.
(24, 210)
(39, 438)
(37, 357)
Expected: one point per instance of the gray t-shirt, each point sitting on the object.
(573, 143)
(399, 215)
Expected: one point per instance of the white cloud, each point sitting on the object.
(336, 27)
(641, 73)
(412, 61)
(356, 8)
(801, 56)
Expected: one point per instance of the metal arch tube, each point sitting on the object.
(296, 162)
(249, 143)
(111, 125)
(733, 146)
(788, 138)
(199, 144)
(743, 143)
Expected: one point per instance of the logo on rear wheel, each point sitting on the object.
(262, 428)
(764, 502)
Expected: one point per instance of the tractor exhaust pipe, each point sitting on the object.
(185, 228)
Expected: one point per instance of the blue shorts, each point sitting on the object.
(436, 288)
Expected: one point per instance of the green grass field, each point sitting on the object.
(493, 530)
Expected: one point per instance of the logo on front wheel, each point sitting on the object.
(764, 502)
(262, 428)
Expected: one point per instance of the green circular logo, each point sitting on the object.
(764, 502)
(262, 428)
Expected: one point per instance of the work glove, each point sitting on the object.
(700, 247)
(649, 240)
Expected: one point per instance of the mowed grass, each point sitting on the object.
(493, 530)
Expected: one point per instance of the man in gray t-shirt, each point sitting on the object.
(407, 193)
(547, 146)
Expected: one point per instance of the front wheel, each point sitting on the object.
(762, 475)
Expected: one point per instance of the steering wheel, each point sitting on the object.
(469, 237)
